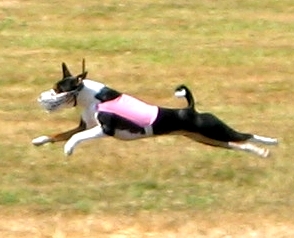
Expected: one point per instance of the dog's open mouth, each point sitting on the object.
(52, 101)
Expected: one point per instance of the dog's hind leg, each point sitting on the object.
(212, 127)
(208, 141)
(243, 146)
(264, 140)
(262, 152)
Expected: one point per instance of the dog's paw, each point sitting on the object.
(68, 148)
(41, 140)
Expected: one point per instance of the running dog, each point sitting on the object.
(108, 112)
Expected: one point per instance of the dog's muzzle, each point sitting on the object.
(52, 101)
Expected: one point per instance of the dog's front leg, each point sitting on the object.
(95, 132)
(41, 140)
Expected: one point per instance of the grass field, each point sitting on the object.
(236, 56)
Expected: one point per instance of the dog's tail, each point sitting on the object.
(183, 91)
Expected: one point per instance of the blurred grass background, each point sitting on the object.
(236, 56)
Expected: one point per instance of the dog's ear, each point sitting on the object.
(84, 73)
(82, 76)
(65, 71)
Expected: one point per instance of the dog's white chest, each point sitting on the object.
(89, 116)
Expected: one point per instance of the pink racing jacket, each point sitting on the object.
(130, 108)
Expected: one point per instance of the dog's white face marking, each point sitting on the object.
(52, 101)
(180, 93)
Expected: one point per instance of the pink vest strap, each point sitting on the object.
(130, 108)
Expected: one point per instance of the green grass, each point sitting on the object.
(236, 56)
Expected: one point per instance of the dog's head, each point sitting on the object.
(64, 92)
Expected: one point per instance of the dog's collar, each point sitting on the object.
(78, 89)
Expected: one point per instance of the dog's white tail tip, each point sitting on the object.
(180, 93)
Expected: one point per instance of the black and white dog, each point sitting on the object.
(108, 112)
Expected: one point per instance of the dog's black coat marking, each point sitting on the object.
(68, 84)
(107, 94)
(110, 122)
